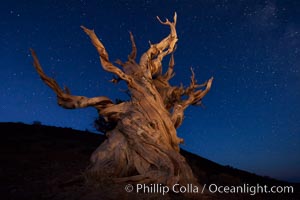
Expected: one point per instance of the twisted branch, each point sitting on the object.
(132, 55)
(153, 57)
(106, 64)
(194, 98)
(169, 73)
(64, 97)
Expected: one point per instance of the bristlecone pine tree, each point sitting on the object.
(143, 147)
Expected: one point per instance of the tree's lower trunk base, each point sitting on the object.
(122, 163)
(144, 163)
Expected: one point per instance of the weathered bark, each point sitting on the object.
(144, 146)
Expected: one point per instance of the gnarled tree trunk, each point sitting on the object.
(143, 147)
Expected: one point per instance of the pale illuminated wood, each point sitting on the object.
(144, 146)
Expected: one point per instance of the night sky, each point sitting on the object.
(251, 118)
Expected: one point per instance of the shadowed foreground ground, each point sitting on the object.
(42, 162)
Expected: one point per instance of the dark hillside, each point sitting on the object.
(43, 162)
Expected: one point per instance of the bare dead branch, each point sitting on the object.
(153, 57)
(106, 64)
(132, 55)
(169, 73)
(173, 35)
(64, 97)
(49, 81)
(196, 96)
